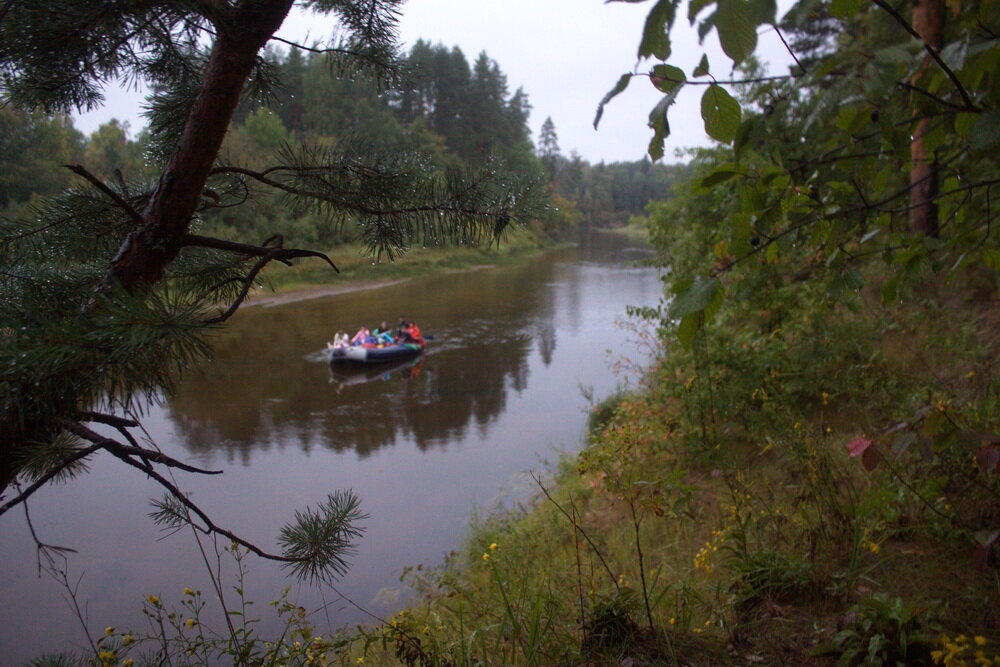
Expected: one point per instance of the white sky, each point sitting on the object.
(566, 54)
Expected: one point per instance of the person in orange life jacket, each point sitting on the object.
(411, 334)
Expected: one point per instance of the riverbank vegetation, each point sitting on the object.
(811, 473)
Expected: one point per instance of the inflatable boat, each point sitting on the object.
(366, 354)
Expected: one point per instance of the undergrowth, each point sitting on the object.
(810, 483)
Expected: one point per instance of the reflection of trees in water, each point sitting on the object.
(432, 404)
(255, 398)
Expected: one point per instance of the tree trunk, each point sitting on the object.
(928, 21)
(158, 235)
(151, 246)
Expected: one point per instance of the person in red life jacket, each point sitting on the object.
(414, 334)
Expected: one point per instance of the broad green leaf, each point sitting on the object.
(688, 328)
(659, 124)
(702, 294)
(619, 87)
(706, 26)
(694, 306)
(744, 134)
(721, 113)
(656, 33)
(667, 78)
(984, 134)
(991, 258)
(771, 254)
(734, 21)
(720, 175)
(702, 68)
(964, 122)
(765, 10)
(895, 55)
(955, 54)
(695, 7)
(845, 9)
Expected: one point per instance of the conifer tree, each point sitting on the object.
(107, 290)
(548, 146)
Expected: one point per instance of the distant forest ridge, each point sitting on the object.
(455, 113)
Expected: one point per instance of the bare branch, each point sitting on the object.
(120, 450)
(44, 479)
(271, 253)
(110, 420)
(932, 52)
(789, 49)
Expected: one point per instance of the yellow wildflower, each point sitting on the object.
(486, 556)
(128, 662)
(188, 591)
(494, 546)
(127, 639)
(153, 599)
(110, 630)
(190, 623)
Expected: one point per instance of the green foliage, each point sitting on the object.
(33, 147)
(185, 635)
(886, 631)
(814, 171)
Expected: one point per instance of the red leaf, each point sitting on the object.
(864, 448)
(869, 459)
(857, 446)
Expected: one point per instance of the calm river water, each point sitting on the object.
(499, 392)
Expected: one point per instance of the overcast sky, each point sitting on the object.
(566, 54)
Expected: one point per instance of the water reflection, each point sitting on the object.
(269, 386)
(496, 393)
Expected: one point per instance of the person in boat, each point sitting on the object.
(410, 333)
(415, 335)
(340, 340)
(361, 337)
(382, 334)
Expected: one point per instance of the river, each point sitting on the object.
(502, 390)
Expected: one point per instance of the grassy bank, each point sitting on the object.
(356, 265)
(809, 484)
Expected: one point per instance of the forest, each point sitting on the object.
(453, 113)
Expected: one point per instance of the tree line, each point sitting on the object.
(457, 114)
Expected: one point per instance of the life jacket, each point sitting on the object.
(415, 335)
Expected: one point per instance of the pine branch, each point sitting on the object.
(103, 187)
